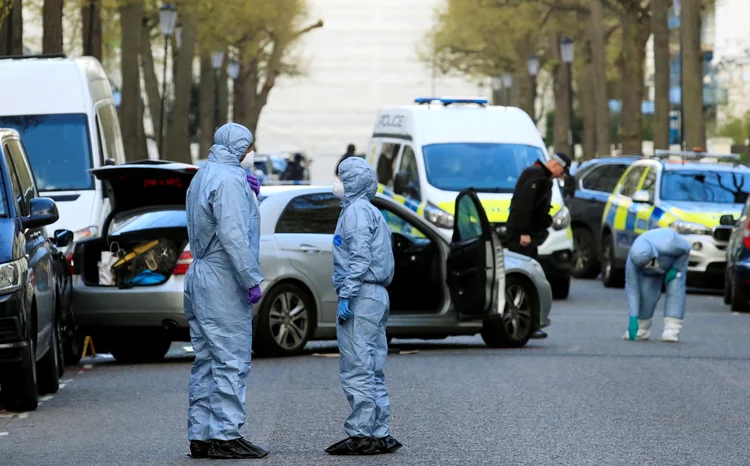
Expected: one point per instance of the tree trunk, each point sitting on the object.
(692, 75)
(631, 64)
(95, 48)
(178, 142)
(238, 96)
(660, 28)
(131, 19)
(52, 25)
(11, 32)
(562, 100)
(151, 82)
(223, 93)
(586, 102)
(599, 78)
(206, 106)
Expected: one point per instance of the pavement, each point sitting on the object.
(582, 397)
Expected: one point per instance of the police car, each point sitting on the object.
(425, 154)
(686, 190)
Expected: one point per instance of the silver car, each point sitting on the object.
(441, 288)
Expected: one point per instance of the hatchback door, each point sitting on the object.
(476, 271)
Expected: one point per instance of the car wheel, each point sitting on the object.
(19, 383)
(727, 289)
(136, 350)
(48, 368)
(73, 349)
(585, 261)
(612, 277)
(560, 288)
(519, 320)
(286, 321)
(740, 298)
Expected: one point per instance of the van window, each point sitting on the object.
(630, 183)
(409, 166)
(386, 163)
(58, 148)
(108, 123)
(487, 167)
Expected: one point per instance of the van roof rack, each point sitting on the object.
(446, 101)
(26, 57)
(689, 155)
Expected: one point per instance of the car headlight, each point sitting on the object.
(84, 233)
(688, 228)
(438, 216)
(561, 220)
(11, 274)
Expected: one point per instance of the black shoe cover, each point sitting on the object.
(199, 449)
(389, 444)
(538, 335)
(355, 446)
(238, 448)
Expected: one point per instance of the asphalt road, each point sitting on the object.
(582, 397)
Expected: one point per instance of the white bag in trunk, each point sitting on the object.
(105, 268)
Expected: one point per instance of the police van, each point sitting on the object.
(689, 191)
(425, 154)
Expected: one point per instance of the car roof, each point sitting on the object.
(696, 166)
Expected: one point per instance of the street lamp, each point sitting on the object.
(167, 20)
(233, 69)
(178, 35)
(567, 52)
(507, 83)
(533, 65)
(217, 59)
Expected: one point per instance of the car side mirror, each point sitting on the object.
(63, 238)
(43, 212)
(401, 183)
(109, 162)
(727, 220)
(642, 197)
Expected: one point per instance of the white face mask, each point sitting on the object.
(338, 188)
(249, 160)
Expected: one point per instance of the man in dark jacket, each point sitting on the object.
(350, 152)
(529, 218)
(295, 171)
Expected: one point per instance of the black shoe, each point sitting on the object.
(539, 335)
(199, 449)
(238, 448)
(355, 446)
(389, 444)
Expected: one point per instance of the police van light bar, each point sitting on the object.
(660, 154)
(451, 100)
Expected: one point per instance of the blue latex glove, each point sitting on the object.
(671, 275)
(344, 311)
(254, 295)
(254, 183)
(632, 328)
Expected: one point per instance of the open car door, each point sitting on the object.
(476, 267)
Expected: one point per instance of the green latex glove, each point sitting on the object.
(671, 275)
(632, 328)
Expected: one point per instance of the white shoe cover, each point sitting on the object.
(672, 329)
(644, 330)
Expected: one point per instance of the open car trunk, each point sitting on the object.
(146, 231)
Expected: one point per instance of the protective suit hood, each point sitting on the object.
(359, 180)
(642, 254)
(230, 143)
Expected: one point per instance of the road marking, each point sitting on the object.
(23, 415)
(3, 434)
(88, 366)
(67, 380)
(81, 371)
(46, 398)
(189, 349)
(62, 385)
(6, 415)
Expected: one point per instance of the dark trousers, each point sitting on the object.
(530, 250)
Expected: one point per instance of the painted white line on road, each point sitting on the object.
(189, 349)
(88, 366)
(62, 385)
(81, 372)
(67, 380)
(6, 415)
(46, 398)
(3, 434)
(23, 415)
(735, 313)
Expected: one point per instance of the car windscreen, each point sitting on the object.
(705, 186)
(58, 149)
(486, 167)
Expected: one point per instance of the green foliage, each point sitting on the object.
(736, 128)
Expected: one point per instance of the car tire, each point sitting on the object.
(612, 277)
(586, 261)
(73, 349)
(19, 383)
(740, 298)
(285, 306)
(727, 289)
(520, 318)
(560, 288)
(48, 368)
(151, 348)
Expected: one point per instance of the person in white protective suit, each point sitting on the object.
(363, 268)
(658, 257)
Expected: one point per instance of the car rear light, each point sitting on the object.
(746, 236)
(183, 262)
(69, 262)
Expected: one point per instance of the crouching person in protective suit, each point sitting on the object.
(657, 257)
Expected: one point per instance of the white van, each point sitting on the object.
(425, 154)
(64, 111)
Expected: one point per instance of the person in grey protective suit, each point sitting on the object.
(221, 285)
(657, 257)
(363, 268)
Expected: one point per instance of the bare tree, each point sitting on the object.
(207, 101)
(11, 31)
(131, 19)
(52, 24)
(586, 101)
(660, 29)
(692, 74)
(92, 41)
(599, 77)
(178, 141)
(150, 81)
(562, 98)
